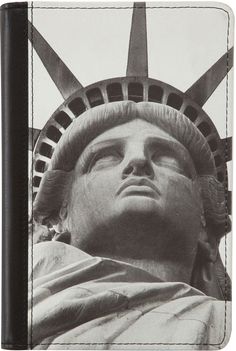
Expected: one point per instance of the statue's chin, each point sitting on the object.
(138, 205)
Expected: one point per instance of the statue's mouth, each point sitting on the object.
(138, 186)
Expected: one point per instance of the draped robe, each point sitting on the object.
(77, 301)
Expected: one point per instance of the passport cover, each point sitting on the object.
(117, 175)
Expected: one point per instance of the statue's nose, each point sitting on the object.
(138, 167)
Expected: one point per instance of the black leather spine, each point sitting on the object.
(14, 55)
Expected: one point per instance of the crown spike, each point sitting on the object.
(138, 57)
(63, 78)
(204, 87)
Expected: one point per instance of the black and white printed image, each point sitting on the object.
(130, 176)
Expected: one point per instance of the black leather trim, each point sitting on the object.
(14, 45)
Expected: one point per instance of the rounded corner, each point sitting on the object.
(226, 7)
(225, 342)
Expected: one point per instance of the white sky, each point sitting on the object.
(182, 45)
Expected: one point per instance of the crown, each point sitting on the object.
(136, 86)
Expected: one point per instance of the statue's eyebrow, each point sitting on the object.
(106, 143)
(170, 142)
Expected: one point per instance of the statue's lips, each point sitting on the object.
(138, 186)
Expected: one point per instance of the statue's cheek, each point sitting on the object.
(183, 194)
(181, 210)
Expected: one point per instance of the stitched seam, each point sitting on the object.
(26, 209)
(117, 8)
(226, 181)
(226, 173)
(32, 162)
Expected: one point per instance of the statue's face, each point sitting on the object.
(133, 179)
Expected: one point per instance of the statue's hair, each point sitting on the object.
(54, 185)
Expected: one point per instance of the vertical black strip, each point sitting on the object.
(14, 45)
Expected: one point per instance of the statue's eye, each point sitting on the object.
(171, 162)
(165, 160)
(105, 159)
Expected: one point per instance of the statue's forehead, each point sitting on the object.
(135, 130)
